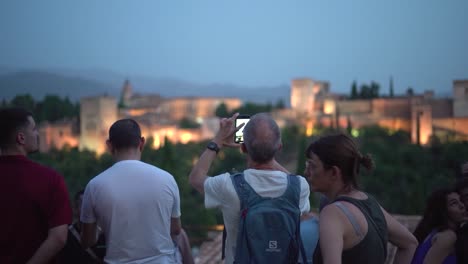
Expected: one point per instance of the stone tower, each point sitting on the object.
(305, 93)
(126, 94)
(460, 98)
(97, 115)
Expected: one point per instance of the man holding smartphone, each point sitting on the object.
(262, 140)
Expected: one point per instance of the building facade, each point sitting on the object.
(312, 104)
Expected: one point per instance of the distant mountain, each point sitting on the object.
(39, 84)
(5, 70)
(171, 87)
(79, 83)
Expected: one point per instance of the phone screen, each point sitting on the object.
(239, 137)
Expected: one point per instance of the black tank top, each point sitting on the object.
(372, 249)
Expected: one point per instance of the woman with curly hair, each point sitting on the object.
(436, 232)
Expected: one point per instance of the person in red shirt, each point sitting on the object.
(34, 204)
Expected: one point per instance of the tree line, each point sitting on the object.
(50, 108)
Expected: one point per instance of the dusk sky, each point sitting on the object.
(421, 43)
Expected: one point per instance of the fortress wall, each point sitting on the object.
(391, 107)
(442, 108)
(354, 107)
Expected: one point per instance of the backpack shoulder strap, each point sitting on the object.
(293, 190)
(245, 192)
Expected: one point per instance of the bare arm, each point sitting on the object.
(55, 241)
(443, 244)
(89, 235)
(402, 238)
(184, 247)
(224, 137)
(198, 174)
(331, 235)
(176, 226)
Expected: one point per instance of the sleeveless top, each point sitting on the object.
(372, 249)
(424, 247)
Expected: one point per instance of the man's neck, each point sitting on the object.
(261, 166)
(13, 152)
(127, 155)
(270, 165)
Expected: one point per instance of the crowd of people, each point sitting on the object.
(130, 213)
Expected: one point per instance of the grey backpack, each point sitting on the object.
(269, 228)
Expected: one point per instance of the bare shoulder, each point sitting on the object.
(331, 220)
(331, 212)
(447, 237)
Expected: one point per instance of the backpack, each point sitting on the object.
(269, 228)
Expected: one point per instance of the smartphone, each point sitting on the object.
(239, 136)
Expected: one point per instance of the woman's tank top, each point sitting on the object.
(372, 249)
(424, 247)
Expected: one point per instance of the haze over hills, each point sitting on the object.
(81, 83)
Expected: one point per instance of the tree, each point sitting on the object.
(221, 110)
(53, 108)
(365, 92)
(391, 86)
(354, 91)
(25, 101)
(187, 123)
(349, 125)
(280, 104)
(374, 90)
(410, 91)
(250, 108)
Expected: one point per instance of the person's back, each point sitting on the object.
(33, 199)
(373, 246)
(136, 204)
(28, 193)
(264, 175)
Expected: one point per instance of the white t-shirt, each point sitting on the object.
(220, 193)
(133, 203)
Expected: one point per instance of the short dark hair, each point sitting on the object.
(11, 120)
(124, 134)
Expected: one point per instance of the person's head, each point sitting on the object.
(443, 210)
(462, 189)
(18, 131)
(125, 135)
(334, 160)
(262, 138)
(77, 200)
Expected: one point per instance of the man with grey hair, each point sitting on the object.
(264, 174)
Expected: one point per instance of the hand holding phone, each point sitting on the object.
(239, 136)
